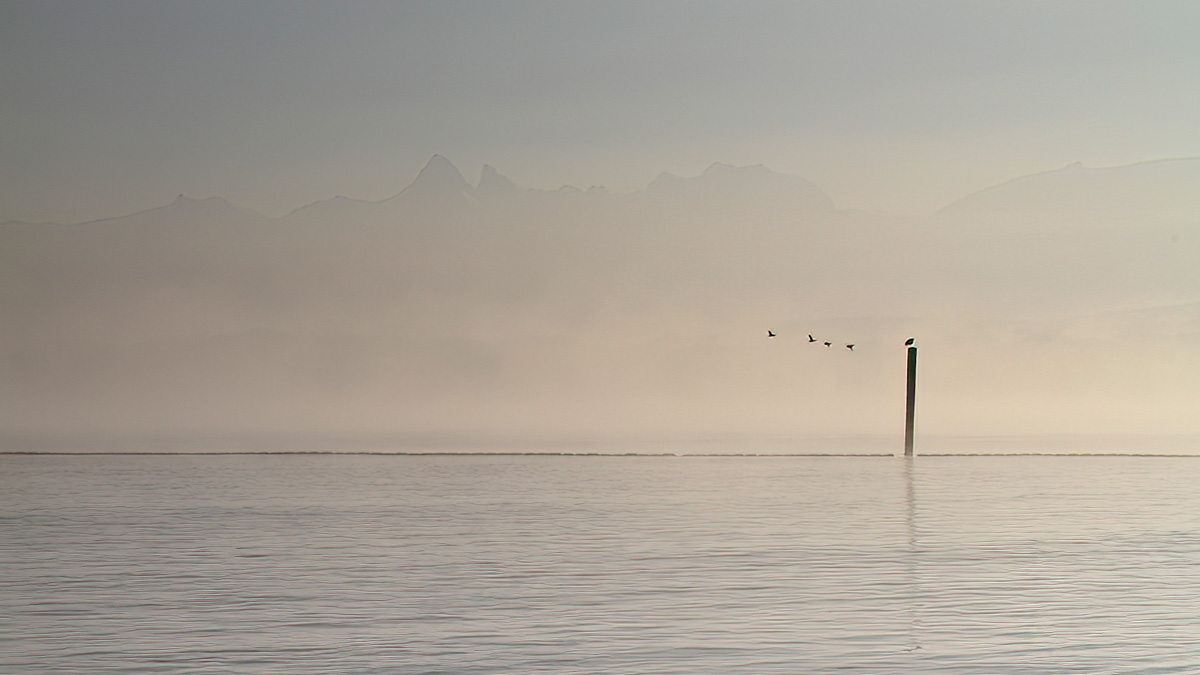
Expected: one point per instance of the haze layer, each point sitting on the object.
(1059, 302)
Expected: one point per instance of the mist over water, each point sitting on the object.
(1015, 185)
(487, 564)
(1058, 303)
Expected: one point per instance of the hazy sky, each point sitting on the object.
(110, 107)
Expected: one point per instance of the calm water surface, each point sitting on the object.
(606, 565)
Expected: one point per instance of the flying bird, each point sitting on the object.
(850, 346)
(770, 334)
(811, 338)
(828, 344)
(909, 341)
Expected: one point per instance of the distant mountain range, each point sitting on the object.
(1154, 185)
(487, 308)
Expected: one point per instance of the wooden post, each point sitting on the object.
(910, 406)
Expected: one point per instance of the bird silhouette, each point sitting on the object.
(811, 338)
(909, 341)
(828, 344)
(770, 334)
(850, 346)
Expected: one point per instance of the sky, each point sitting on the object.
(107, 108)
(577, 313)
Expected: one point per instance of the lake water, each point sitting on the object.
(605, 565)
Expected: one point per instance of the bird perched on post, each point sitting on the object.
(909, 341)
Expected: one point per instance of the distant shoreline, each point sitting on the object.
(60, 453)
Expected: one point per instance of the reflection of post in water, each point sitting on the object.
(910, 501)
(910, 557)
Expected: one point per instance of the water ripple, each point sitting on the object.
(473, 565)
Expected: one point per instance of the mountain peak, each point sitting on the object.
(439, 163)
(1075, 188)
(439, 179)
(187, 207)
(721, 168)
(493, 182)
(184, 200)
(208, 206)
(748, 182)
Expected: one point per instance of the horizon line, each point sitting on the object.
(386, 453)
